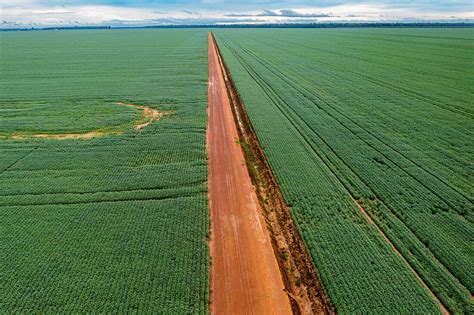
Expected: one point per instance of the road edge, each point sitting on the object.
(301, 279)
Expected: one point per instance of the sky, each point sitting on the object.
(40, 13)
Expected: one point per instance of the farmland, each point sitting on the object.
(369, 133)
(119, 194)
(117, 222)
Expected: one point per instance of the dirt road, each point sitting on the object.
(245, 278)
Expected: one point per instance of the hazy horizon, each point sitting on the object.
(39, 13)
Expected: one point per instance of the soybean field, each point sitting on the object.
(369, 133)
(103, 170)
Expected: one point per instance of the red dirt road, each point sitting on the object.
(245, 278)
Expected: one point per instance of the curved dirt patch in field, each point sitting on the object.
(149, 115)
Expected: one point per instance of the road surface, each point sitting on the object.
(245, 278)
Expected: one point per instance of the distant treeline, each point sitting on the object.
(273, 25)
(319, 25)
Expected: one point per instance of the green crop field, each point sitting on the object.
(117, 223)
(374, 120)
(103, 166)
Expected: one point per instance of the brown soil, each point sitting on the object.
(62, 136)
(245, 276)
(300, 276)
(149, 115)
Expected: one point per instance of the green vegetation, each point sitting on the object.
(350, 119)
(114, 224)
(375, 118)
(54, 117)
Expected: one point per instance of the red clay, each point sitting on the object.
(245, 277)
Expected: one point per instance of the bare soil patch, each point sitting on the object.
(149, 115)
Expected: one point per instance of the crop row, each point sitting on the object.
(118, 223)
(341, 127)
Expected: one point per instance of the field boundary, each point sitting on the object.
(241, 249)
(301, 279)
(369, 219)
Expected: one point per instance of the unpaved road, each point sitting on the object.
(245, 278)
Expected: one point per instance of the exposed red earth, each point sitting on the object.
(149, 115)
(245, 277)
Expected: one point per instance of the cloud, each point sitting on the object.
(143, 12)
(191, 12)
(293, 13)
(289, 13)
(111, 16)
(267, 13)
(177, 21)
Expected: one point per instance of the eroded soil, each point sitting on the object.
(149, 115)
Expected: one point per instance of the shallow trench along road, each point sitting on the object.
(245, 277)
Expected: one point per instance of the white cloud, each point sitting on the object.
(82, 14)
(31, 12)
(358, 12)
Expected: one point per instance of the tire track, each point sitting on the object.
(460, 111)
(268, 91)
(245, 275)
(289, 82)
(301, 278)
(299, 128)
(18, 160)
